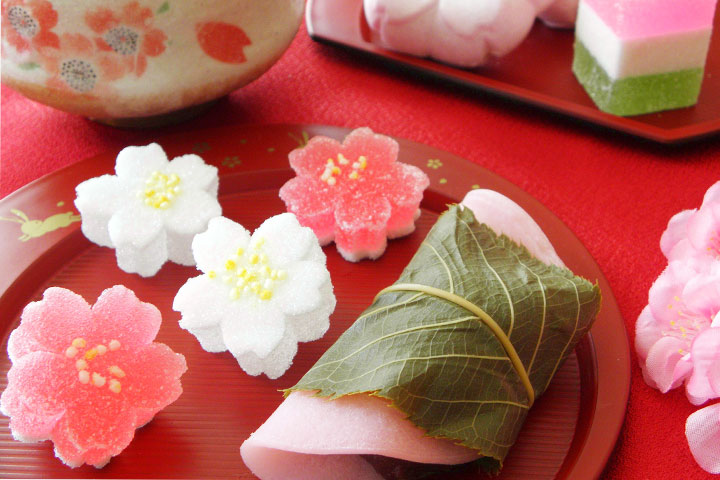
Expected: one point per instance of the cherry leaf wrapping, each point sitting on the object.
(472, 331)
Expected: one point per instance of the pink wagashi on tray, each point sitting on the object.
(354, 193)
(86, 377)
(460, 32)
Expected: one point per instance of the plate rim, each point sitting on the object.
(607, 371)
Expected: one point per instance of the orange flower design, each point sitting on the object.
(128, 34)
(78, 68)
(27, 23)
(222, 41)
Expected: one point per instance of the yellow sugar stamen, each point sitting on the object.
(98, 380)
(114, 386)
(90, 354)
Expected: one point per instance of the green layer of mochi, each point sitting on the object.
(639, 94)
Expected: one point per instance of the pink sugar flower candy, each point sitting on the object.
(86, 377)
(355, 193)
(696, 232)
(678, 332)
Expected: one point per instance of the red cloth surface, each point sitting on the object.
(615, 192)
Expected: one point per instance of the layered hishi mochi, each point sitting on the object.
(641, 56)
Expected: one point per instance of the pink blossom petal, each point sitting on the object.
(705, 353)
(310, 160)
(703, 293)
(647, 332)
(50, 324)
(405, 201)
(704, 227)
(359, 233)
(304, 197)
(152, 378)
(380, 150)
(662, 360)
(712, 196)
(132, 322)
(666, 289)
(676, 231)
(40, 385)
(95, 430)
(713, 374)
(702, 430)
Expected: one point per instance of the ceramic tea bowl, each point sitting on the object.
(131, 62)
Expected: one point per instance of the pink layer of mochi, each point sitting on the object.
(310, 437)
(87, 423)
(631, 19)
(359, 214)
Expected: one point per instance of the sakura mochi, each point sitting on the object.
(260, 294)
(640, 56)
(86, 377)
(354, 193)
(151, 209)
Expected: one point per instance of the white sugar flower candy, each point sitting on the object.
(259, 295)
(151, 209)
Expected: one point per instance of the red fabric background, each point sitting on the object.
(615, 192)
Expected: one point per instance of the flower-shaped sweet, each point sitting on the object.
(678, 332)
(459, 32)
(129, 33)
(696, 232)
(86, 377)
(354, 192)
(151, 209)
(260, 294)
(29, 23)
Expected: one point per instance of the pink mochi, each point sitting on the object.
(460, 32)
(355, 193)
(86, 377)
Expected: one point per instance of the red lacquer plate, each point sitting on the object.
(570, 431)
(537, 72)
